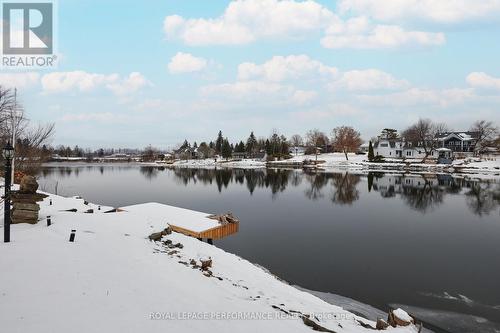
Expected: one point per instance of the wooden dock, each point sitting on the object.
(213, 233)
(184, 221)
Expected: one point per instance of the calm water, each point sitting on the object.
(430, 242)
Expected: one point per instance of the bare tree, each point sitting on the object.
(347, 139)
(422, 134)
(149, 154)
(296, 140)
(31, 142)
(486, 133)
(31, 147)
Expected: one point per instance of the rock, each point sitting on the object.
(17, 196)
(25, 214)
(156, 236)
(205, 264)
(399, 317)
(381, 324)
(22, 220)
(28, 185)
(27, 206)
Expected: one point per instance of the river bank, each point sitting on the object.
(336, 161)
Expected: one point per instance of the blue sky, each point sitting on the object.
(135, 73)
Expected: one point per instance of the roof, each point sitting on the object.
(464, 136)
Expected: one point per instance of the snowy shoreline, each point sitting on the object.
(336, 161)
(114, 279)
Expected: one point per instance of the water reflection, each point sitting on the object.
(422, 193)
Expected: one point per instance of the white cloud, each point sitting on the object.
(441, 11)
(80, 80)
(131, 84)
(483, 80)
(99, 117)
(301, 97)
(359, 33)
(247, 20)
(186, 63)
(19, 80)
(244, 89)
(418, 97)
(281, 68)
(369, 79)
(57, 82)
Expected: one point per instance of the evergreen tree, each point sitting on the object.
(184, 145)
(371, 154)
(226, 150)
(251, 143)
(195, 145)
(268, 147)
(218, 143)
(240, 147)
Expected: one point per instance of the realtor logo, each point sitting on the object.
(27, 34)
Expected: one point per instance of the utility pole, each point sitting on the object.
(14, 123)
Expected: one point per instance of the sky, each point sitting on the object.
(135, 73)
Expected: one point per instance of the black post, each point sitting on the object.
(6, 200)
(72, 236)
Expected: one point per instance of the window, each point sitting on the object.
(385, 145)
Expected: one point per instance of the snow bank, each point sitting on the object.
(113, 279)
(181, 217)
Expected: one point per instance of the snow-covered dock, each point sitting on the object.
(185, 221)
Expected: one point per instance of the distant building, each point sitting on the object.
(299, 150)
(189, 153)
(364, 148)
(447, 144)
(464, 142)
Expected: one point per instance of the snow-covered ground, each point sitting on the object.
(210, 162)
(357, 162)
(114, 279)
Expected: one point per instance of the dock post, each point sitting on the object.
(72, 236)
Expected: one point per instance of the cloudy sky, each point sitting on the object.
(134, 73)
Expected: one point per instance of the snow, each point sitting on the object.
(210, 162)
(181, 217)
(402, 314)
(113, 279)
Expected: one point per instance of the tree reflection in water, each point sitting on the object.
(345, 190)
(483, 198)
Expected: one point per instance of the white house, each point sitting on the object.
(388, 148)
(396, 147)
